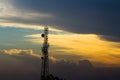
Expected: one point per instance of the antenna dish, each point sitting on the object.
(42, 35)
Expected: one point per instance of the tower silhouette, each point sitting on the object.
(45, 57)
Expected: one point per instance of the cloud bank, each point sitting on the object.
(97, 17)
(89, 47)
(16, 67)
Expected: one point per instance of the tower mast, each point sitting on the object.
(45, 56)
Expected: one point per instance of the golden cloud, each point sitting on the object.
(18, 52)
(90, 46)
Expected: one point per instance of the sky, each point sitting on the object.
(78, 30)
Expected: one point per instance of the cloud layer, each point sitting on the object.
(89, 47)
(91, 17)
(99, 17)
(17, 67)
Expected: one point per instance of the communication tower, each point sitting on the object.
(45, 56)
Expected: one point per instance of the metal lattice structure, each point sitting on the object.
(45, 57)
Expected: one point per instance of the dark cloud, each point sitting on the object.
(27, 67)
(110, 38)
(15, 67)
(80, 16)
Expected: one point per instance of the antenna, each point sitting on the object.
(45, 56)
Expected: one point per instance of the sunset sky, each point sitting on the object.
(78, 29)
